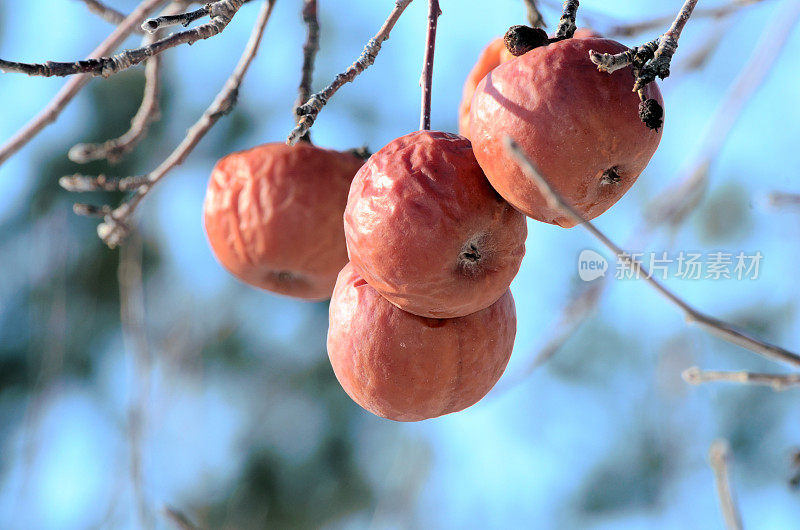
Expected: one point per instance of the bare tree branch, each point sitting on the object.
(655, 56)
(116, 224)
(722, 329)
(70, 89)
(778, 382)
(149, 110)
(82, 183)
(310, 109)
(719, 457)
(221, 12)
(426, 80)
(151, 25)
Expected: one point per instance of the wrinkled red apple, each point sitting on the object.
(490, 58)
(425, 228)
(580, 127)
(273, 216)
(409, 368)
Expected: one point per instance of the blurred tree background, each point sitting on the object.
(231, 414)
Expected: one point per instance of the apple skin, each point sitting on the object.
(273, 216)
(573, 121)
(424, 227)
(409, 368)
(490, 58)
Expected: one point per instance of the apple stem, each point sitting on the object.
(717, 327)
(426, 80)
(310, 49)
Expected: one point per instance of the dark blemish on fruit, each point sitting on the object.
(471, 253)
(611, 176)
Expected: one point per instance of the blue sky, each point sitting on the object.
(520, 458)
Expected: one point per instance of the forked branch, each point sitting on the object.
(652, 59)
(221, 13)
(309, 111)
(72, 87)
(116, 222)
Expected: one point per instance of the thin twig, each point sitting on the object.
(148, 112)
(535, 18)
(109, 14)
(426, 80)
(72, 87)
(566, 25)
(310, 49)
(82, 183)
(722, 329)
(719, 457)
(116, 224)
(151, 25)
(221, 12)
(310, 109)
(778, 382)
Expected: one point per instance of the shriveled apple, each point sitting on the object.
(409, 368)
(581, 128)
(425, 228)
(273, 216)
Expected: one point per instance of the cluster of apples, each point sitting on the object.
(422, 322)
